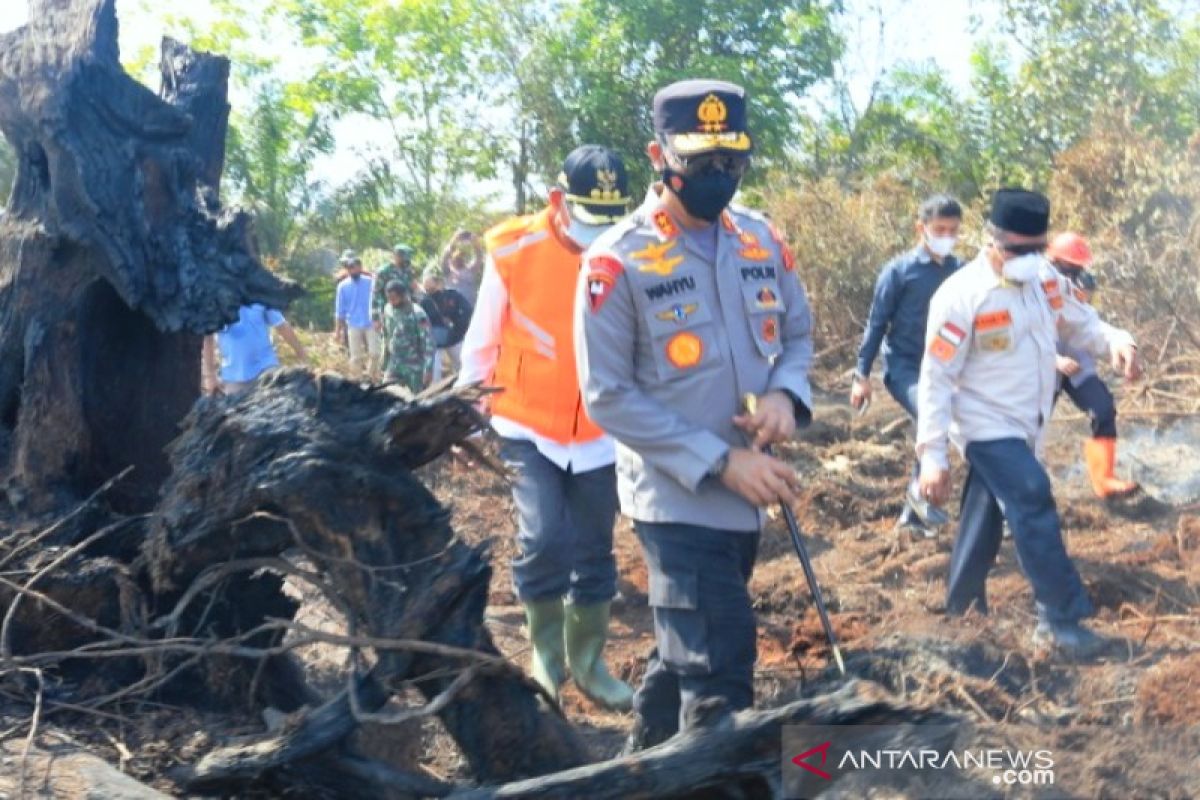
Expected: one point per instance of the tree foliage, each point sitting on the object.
(1037, 85)
(462, 110)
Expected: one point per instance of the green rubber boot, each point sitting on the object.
(545, 620)
(586, 633)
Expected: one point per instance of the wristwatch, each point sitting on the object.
(718, 467)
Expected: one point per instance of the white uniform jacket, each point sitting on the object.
(989, 371)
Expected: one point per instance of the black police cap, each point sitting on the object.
(699, 116)
(1020, 211)
(596, 184)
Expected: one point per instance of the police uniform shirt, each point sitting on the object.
(667, 341)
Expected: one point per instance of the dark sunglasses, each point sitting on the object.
(735, 165)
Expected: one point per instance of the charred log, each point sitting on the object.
(115, 255)
(733, 756)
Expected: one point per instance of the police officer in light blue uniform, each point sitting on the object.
(682, 309)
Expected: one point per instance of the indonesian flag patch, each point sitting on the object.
(602, 273)
(946, 343)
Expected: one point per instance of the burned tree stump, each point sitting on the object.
(323, 464)
(115, 256)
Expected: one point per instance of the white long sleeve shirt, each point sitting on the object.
(480, 351)
(989, 367)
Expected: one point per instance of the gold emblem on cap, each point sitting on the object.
(712, 114)
(606, 188)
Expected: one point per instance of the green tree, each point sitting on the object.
(269, 160)
(413, 68)
(1037, 88)
(609, 57)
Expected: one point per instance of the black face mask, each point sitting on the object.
(704, 195)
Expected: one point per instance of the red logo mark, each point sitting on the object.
(801, 760)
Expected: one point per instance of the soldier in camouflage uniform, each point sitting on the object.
(407, 340)
(400, 269)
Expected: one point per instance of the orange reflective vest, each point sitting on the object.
(536, 365)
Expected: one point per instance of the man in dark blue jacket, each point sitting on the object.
(897, 322)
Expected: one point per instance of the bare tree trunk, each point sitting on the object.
(115, 256)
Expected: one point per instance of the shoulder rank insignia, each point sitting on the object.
(1050, 287)
(654, 258)
(664, 224)
(678, 313)
(789, 260)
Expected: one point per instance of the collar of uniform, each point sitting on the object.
(656, 215)
(921, 255)
(669, 228)
(984, 267)
(728, 223)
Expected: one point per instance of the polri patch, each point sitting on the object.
(603, 271)
(766, 299)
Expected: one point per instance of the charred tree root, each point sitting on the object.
(734, 756)
(329, 463)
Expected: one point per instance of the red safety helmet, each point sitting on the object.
(1071, 248)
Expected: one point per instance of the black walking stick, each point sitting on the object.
(750, 402)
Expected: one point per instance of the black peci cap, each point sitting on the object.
(596, 184)
(699, 116)
(1020, 211)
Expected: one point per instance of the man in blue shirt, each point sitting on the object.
(897, 320)
(352, 309)
(246, 350)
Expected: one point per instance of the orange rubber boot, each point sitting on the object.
(1101, 457)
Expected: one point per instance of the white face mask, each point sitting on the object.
(940, 246)
(1023, 269)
